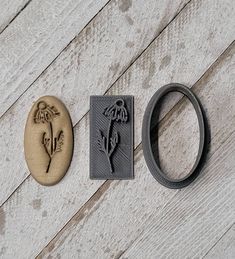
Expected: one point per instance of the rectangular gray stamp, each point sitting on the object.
(111, 137)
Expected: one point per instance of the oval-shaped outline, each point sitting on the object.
(155, 170)
(72, 135)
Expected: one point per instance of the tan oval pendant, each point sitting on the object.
(48, 140)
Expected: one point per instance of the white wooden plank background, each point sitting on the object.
(129, 47)
(75, 71)
(10, 9)
(225, 248)
(34, 40)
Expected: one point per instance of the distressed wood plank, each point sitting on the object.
(9, 10)
(73, 191)
(34, 40)
(90, 65)
(225, 247)
(211, 213)
(152, 219)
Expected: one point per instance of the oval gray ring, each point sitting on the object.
(154, 168)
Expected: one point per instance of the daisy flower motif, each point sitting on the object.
(45, 113)
(115, 112)
(52, 144)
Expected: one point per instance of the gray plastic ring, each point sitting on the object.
(148, 120)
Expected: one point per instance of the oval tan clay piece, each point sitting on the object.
(48, 140)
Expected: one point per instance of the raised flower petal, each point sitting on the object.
(117, 111)
(45, 113)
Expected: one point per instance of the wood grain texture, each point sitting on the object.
(141, 218)
(202, 223)
(28, 45)
(90, 65)
(51, 208)
(10, 9)
(225, 247)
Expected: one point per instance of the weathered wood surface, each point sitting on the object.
(9, 10)
(35, 38)
(140, 217)
(225, 247)
(73, 76)
(133, 219)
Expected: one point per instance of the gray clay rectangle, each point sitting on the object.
(111, 118)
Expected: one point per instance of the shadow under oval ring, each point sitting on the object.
(152, 164)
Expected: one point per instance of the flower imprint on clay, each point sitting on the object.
(46, 114)
(116, 112)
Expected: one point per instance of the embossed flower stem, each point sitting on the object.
(45, 114)
(107, 146)
(48, 153)
(114, 112)
(51, 133)
(51, 153)
(48, 167)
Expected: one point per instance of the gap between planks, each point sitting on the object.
(119, 76)
(43, 71)
(201, 81)
(218, 241)
(16, 15)
(132, 62)
(205, 68)
(86, 207)
(170, 200)
(144, 50)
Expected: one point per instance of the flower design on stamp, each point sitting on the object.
(115, 112)
(46, 114)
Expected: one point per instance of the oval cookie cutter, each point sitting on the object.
(152, 164)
